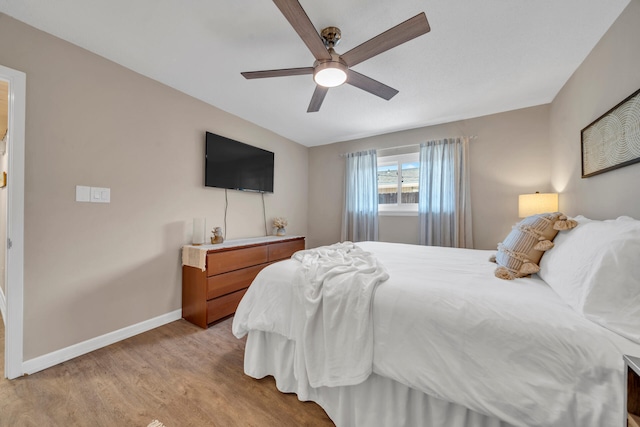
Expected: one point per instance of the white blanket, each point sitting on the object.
(335, 285)
(444, 325)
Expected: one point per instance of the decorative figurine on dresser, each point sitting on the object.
(217, 236)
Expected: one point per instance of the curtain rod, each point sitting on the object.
(405, 146)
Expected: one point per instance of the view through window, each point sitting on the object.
(398, 182)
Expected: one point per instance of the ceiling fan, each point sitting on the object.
(331, 69)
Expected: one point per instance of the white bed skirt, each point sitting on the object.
(378, 401)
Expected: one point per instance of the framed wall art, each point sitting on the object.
(613, 139)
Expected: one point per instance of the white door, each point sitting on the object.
(14, 253)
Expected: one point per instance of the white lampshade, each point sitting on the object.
(330, 74)
(537, 203)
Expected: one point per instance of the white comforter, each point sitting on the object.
(446, 326)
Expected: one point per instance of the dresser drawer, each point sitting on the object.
(284, 250)
(218, 308)
(226, 283)
(222, 262)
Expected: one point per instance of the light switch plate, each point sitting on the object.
(105, 195)
(100, 195)
(83, 193)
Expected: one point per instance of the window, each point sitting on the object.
(398, 183)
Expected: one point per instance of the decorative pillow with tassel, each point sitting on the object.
(519, 254)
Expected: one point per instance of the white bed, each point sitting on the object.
(452, 346)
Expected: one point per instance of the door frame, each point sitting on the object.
(14, 258)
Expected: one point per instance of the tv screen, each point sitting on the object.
(237, 166)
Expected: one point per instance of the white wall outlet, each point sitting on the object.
(83, 193)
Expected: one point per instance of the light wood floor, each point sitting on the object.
(179, 374)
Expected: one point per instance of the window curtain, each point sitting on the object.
(360, 215)
(444, 206)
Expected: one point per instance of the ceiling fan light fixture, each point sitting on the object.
(330, 74)
(330, 69)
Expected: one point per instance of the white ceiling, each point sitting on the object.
(481, 57)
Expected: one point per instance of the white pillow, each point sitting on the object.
(596, 269)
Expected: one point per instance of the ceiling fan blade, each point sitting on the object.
(408, 30)
(372, 86)
(300, 22)
(284, 72)
(317, 98)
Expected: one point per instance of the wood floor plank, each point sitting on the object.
(179, 374)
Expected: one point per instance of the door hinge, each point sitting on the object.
(9, 244)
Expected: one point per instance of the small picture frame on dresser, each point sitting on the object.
(632, 394)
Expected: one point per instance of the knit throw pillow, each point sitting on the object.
(519, 254)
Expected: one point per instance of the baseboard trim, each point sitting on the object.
(37, 364)
(3, 306)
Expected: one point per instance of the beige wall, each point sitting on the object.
(608, 75)
(509, 157)
(94, 268)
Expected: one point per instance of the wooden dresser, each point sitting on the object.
(212, 294)
(632, 396)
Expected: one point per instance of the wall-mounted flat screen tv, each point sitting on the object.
(234, 165)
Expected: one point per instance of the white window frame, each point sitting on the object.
(398, 209)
